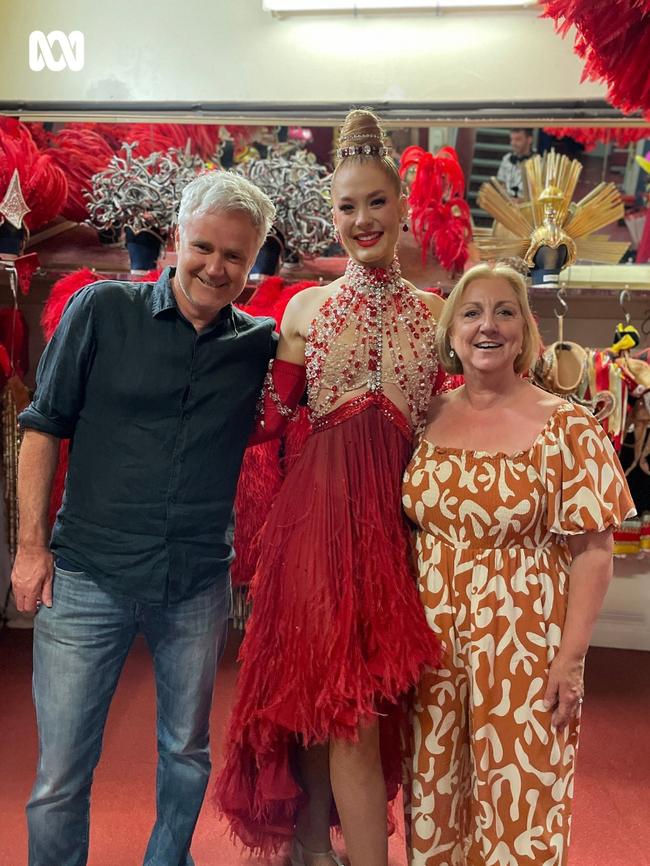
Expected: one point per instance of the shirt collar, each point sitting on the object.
(163, 299)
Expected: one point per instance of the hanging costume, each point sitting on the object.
(337, 634)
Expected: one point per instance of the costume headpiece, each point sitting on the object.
(141, 195)
(551, 232)
(371, 142)
(299, 188)
(614, 41)
(200, 139)
(80, 152)
(440, 216)
(32, 188)
(362, 150)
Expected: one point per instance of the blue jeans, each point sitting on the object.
(80, 645)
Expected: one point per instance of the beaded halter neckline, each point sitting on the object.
(372, 332)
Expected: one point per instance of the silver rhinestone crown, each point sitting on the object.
(362, 150)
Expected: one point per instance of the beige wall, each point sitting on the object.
(215, 50)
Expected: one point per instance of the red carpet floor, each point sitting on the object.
(612, 800)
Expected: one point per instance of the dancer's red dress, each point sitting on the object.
(337, 633)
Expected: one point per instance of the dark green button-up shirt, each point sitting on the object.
(159, 417)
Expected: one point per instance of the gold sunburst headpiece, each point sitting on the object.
(550, 219)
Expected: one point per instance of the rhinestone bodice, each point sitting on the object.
(372, 333)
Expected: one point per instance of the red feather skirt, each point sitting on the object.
(337, 634)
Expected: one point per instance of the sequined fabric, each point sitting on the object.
(374, 332)
(350, 408)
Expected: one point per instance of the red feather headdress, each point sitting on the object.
(440, 216)
(80, 153)
(41, 184)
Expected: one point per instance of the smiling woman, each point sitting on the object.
(515, 494)
(367, 194)
(504, 298)
(337, 635)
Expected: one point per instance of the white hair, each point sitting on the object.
(219, 190)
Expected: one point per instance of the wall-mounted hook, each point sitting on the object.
(624, 299)
(564, 307)
(560, 314)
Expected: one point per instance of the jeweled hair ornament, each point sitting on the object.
(362, 150)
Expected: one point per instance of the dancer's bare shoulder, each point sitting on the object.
(434, 302)
(303, 308)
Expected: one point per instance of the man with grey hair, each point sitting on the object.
(155, 384)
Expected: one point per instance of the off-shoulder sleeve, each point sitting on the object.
(586, 487)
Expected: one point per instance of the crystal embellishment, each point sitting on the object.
(13, 206)
(373, 332)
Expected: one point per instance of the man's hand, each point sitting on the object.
(31, 578)
(33, 568)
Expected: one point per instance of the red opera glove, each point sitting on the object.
(283, 387)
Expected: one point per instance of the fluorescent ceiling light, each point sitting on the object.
(388, 5)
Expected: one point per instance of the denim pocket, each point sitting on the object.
(67, 572)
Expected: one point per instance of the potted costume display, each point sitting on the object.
(139, 196)
(299, 188)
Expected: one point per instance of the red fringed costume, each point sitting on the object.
(265, 464)
(613, 38)
(440, 216)
(337, 634)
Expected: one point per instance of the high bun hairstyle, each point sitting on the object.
(361, 139)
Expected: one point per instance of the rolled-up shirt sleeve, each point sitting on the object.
(63, 370)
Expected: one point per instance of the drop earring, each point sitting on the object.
(452, 354)
(405, 227)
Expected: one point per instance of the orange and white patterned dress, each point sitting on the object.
(490, 779)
